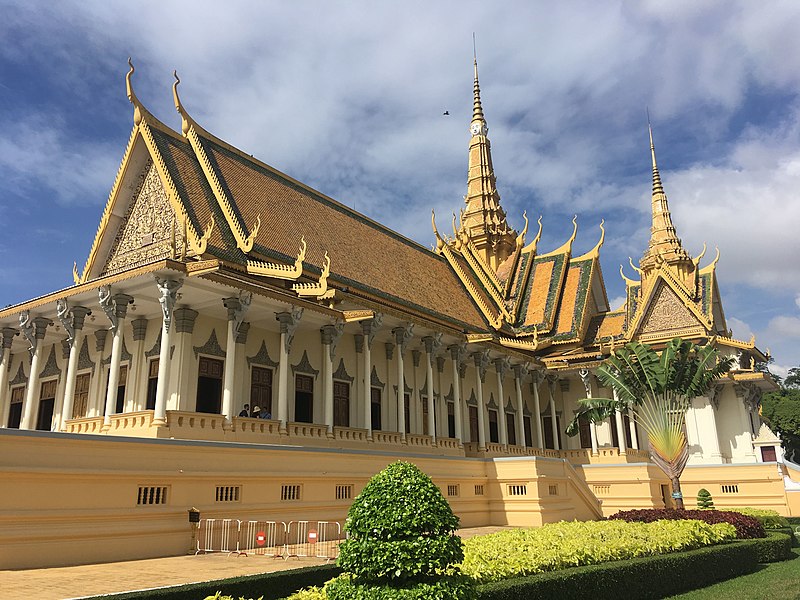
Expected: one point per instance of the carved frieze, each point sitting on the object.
(304, 366)
(149, 226)
(51, 366)
(211, 347)
(124, 355)
(374, 380)
(84, 362)
(20, 378)
(341, 373)
(667, 313)
(261, 357)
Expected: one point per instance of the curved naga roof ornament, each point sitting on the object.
(277, 270)
(190, 130)
(319, 289)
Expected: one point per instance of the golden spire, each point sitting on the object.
(664, 246)
(484, 220)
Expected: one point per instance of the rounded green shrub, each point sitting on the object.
(401, 541)
(704, 499)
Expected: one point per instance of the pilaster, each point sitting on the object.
(8, 334)
(288, 324)
(34, 330)
(76, 318)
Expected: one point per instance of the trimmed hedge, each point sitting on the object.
(746, 527)
(271, 586)
(777, 546)
(649, 577)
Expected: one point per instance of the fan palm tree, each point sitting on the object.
(657, 389)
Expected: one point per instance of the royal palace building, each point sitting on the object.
(215, 281)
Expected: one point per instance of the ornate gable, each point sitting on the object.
(667, 315)
(149, 229)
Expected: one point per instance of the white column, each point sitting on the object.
(537, 409)
(429, 347)
(553, 416)
(97, 397)
(35, 334)
(181, 361)
(635, 438)
(168, 295)
(402, 336)
(518, 373)
(416, 419)
(501, 365)
(289, 322)
(120, 310)
(5, 368)
(137, 378)
(481, 359)
(441, 422)
(366, 392)
(620, 427)
(327, 333)
(586, 377)
(77, 316)
(455, 354)
(237, 308)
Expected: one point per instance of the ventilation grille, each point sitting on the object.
(479, 490)
(228, 493)
(552, 490)
(150, 494)
(601, 490)
(453, 489)
(518, 490)
(290, 492)
(344, 492)
(730, 488)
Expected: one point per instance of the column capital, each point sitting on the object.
(8, 336)
(415, 356)
(481, 360)
(184, 319)
(403, 335)
(139, 326)
(115, 306)
(370, 327)
(168, 296)
(440, 364)
(458, 351)
(100, 336)
(432, 342)
(520, 370)
(289, 322)
(389, 350)
(358, 339)
(244, 329)
(502, 365)
(237, 308)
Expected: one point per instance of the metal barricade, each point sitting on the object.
(317, 539)
(218, 535)
(265, 538)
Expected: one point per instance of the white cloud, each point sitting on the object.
(785, 326)
(741, 330)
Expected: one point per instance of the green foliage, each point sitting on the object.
(773, 548)
(704, 499)
(270, 586)
(656, 388)
(453, 587)
(781, 411)
(519, 552)
(400, 527)
(642, 578)
(769, 519)
(793, 378)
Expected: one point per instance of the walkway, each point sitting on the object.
(108, 578)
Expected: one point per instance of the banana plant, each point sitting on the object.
(657, 389)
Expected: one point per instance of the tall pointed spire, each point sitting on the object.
(664, 245)
(484, 221)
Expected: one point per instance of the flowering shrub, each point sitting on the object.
(770, 519)
(746, 527)
(520, 552)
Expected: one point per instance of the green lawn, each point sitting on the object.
(775, 581)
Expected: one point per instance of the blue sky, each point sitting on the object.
(348, 97)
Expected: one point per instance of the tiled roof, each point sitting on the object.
(363, 254)
(604, 326)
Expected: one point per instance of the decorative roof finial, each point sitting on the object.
(477, 109)
(186, 120)
(137, 106)
(657, 187)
